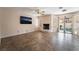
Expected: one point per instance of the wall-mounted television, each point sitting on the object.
(25, 20)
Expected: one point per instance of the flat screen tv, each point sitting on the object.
(25, 20)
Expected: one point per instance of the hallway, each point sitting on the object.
(41, 41)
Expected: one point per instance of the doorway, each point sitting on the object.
(65, 24)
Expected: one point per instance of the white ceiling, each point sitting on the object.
(55, 10)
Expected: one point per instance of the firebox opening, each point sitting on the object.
(46, 26)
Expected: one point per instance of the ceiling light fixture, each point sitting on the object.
(40, 12)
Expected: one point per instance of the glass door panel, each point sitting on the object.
(68, 25)
(65, 24)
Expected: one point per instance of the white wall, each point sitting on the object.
(0, 23)
(76, 23)
(55, 23)
(10, 22)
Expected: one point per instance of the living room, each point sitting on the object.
(43, 26)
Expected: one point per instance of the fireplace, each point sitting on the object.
(46, 26)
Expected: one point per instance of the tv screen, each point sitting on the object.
(25, 20)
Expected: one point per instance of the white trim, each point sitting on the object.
(47, 30)
(16, 34)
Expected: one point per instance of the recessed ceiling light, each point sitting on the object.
(64, 10)
(60, 7)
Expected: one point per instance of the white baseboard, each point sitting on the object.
(14, 34)
(4, 36)
(48, 30)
